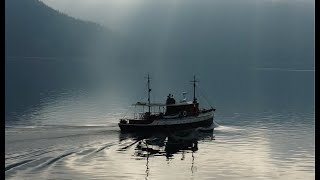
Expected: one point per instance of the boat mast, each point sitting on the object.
(194, 89)
(149, 90)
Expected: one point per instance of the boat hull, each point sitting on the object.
(169, 127)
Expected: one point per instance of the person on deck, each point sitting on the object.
(170, 99)
(173, 100)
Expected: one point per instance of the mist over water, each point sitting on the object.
(254, 60)
(265, 117)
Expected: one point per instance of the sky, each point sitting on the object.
(117, 14)
(257, 31)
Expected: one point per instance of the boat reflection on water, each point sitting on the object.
(166, 144)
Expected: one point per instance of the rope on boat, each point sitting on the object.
(141, 98)
(204, 97)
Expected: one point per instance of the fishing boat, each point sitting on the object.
(169, 116)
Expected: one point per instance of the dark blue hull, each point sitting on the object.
(157, 128)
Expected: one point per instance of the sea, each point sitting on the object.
(264, 123)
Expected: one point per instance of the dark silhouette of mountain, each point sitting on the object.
(33, 32)
(195, 39)
(34, 29)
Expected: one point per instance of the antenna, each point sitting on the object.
(149, 90)
(194, 89)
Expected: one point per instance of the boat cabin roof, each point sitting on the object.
(161, 104)
(146, 104)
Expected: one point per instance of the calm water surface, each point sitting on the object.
(264, 130)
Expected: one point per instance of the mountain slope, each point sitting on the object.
(34, 29)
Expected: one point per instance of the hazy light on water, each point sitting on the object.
(265, 105)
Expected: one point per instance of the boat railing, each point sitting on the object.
(143, 115)
(139, 115)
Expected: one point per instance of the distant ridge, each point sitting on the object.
(34, 29)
